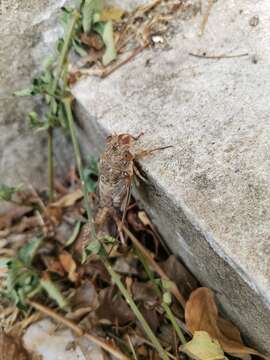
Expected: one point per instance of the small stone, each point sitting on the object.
(254, 21)
(157, 39)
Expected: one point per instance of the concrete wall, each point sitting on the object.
(28, 30)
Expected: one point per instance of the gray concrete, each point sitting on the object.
(28, 31)
(209, 195)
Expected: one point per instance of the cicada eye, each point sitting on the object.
(127, 155)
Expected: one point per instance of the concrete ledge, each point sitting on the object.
(209, 195)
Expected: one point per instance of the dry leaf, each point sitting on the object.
(53, 265)
(92, 40)
(178, 273)
(113, 309)
(232, 333)
(69, 199)
(11, 348)
(134, 220)
(54, 213)
(144, 292)
(86, 296)
(69, 265)
(113, 13)
(201, 313)
(144, 218)
(203, 347)
(15, 213)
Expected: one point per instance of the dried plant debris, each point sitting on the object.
(11, 348)
(41, 274)
(149, 25)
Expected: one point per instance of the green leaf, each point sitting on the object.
(46, 77)
(27, 252)
(77, 46)
(62, 116)
(90, 7)
(4, 263)
(93, 248)
(59, 45)
(167, 298)
(54, 105)
(21, 282)
(34, 120)
(6, 192)
(108, 240)
(203, 347)
(74, 234)
(90, 175)
(106, 32)
(48, 62)
(25, 92)
(167, 284)
(54, 293)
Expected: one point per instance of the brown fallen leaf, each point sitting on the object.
(85, 296)
(53, 265)
(201, 313)
(178, 273)
(113, 309)
(69, 265)
(93, 40)
(13, 214)
(69, 199)
(111, 13)
(144, 292)
(11, 348)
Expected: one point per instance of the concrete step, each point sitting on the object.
(209, 195)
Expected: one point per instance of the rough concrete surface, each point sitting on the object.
(28, 30)
(209, 195)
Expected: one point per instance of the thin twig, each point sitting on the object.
(217, 57)
(134, 53)
(206, 16)
(132, 348)
(78, 330)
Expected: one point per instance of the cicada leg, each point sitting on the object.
(144, 153)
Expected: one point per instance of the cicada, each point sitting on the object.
(116, 170)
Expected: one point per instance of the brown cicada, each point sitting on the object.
(116, 171)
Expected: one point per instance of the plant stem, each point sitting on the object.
(64, 52)
(67, 104)
(50, 163)
(60, 64)
(171, 317)
(116, 279)
(165, 306)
